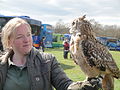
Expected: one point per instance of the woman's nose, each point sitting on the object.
(26, 39)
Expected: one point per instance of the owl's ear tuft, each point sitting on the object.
(83, 17)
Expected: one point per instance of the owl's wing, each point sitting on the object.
(98, 55)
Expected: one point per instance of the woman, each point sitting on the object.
(23, 67)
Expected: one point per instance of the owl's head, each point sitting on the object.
(80, 25)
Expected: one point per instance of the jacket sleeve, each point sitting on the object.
(58, 77)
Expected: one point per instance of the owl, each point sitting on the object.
(91, 55)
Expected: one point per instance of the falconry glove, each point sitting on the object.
(92, 84)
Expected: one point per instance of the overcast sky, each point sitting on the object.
(51, 11)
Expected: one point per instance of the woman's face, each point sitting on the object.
(21, 41)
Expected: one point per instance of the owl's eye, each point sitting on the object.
(73, 23)
(79, 35)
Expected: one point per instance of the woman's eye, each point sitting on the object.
(18, 37)
(28, 34)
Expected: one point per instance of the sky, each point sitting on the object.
(106, 12)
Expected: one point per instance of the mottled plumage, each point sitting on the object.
(93, 57)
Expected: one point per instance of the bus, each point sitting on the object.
(110, 42)
(35, 24)
(47, 32)
(57, 40)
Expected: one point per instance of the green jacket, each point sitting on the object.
(44, 72)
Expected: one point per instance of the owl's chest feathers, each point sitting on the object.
(82, 62)
(78, 53)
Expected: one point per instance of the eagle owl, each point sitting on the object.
(93, 57)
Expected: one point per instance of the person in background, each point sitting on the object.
(36, 40)
(24, 67)
(42, 44)
(66, 48)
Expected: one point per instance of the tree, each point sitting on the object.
(105, 30)
(61, 27)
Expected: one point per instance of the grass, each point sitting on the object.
(73, 71)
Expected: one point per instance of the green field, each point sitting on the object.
(73, 71)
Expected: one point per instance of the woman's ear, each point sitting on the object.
(10, 43)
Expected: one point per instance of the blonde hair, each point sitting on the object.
(9, 29)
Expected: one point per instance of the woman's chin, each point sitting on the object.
(26, 51)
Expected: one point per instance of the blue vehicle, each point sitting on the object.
(111, 43)
(35, 24)
(68, 36)
(114, 44)
(47, 32)
(103, 40)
